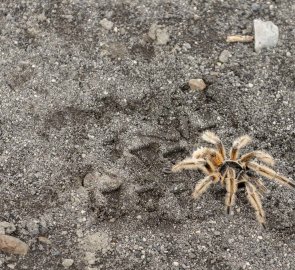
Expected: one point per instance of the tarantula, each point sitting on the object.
(233, 173)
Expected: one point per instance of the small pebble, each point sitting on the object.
(197, 84)
(255, 7)
(224, 56)
(186, 46)
(175, 263)
(217, 233)
(106, 24)
(44, 240)
(231, 240)
(67, 263)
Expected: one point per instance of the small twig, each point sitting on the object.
(239, 38)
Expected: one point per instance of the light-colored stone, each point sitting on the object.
(11, 265)
(162, 36)
(90, 258)
(159, 34)
(6, 227)
(44, 240)
(197, 84)
(106, 24)
(266, 34)
(224, 56)
(67, 263)
(10, 244)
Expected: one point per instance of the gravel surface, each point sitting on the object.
(100, 89)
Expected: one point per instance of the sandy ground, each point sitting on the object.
(79, 96)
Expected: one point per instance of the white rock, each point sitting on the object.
(224, 56)
(175, 263)
(266, 34)
(67, 263)
(106, 24)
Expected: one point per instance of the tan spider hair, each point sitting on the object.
(233, 172)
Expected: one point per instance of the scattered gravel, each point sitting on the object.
(102, 86)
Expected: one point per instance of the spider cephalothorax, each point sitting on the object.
(232, 172)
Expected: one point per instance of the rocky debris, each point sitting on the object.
(266, 34)
(67, 263)
(159, 34)
(106, 24)
(10, 244)
(224, 56)
(104, 183)
(197, 84)
(7, 227)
